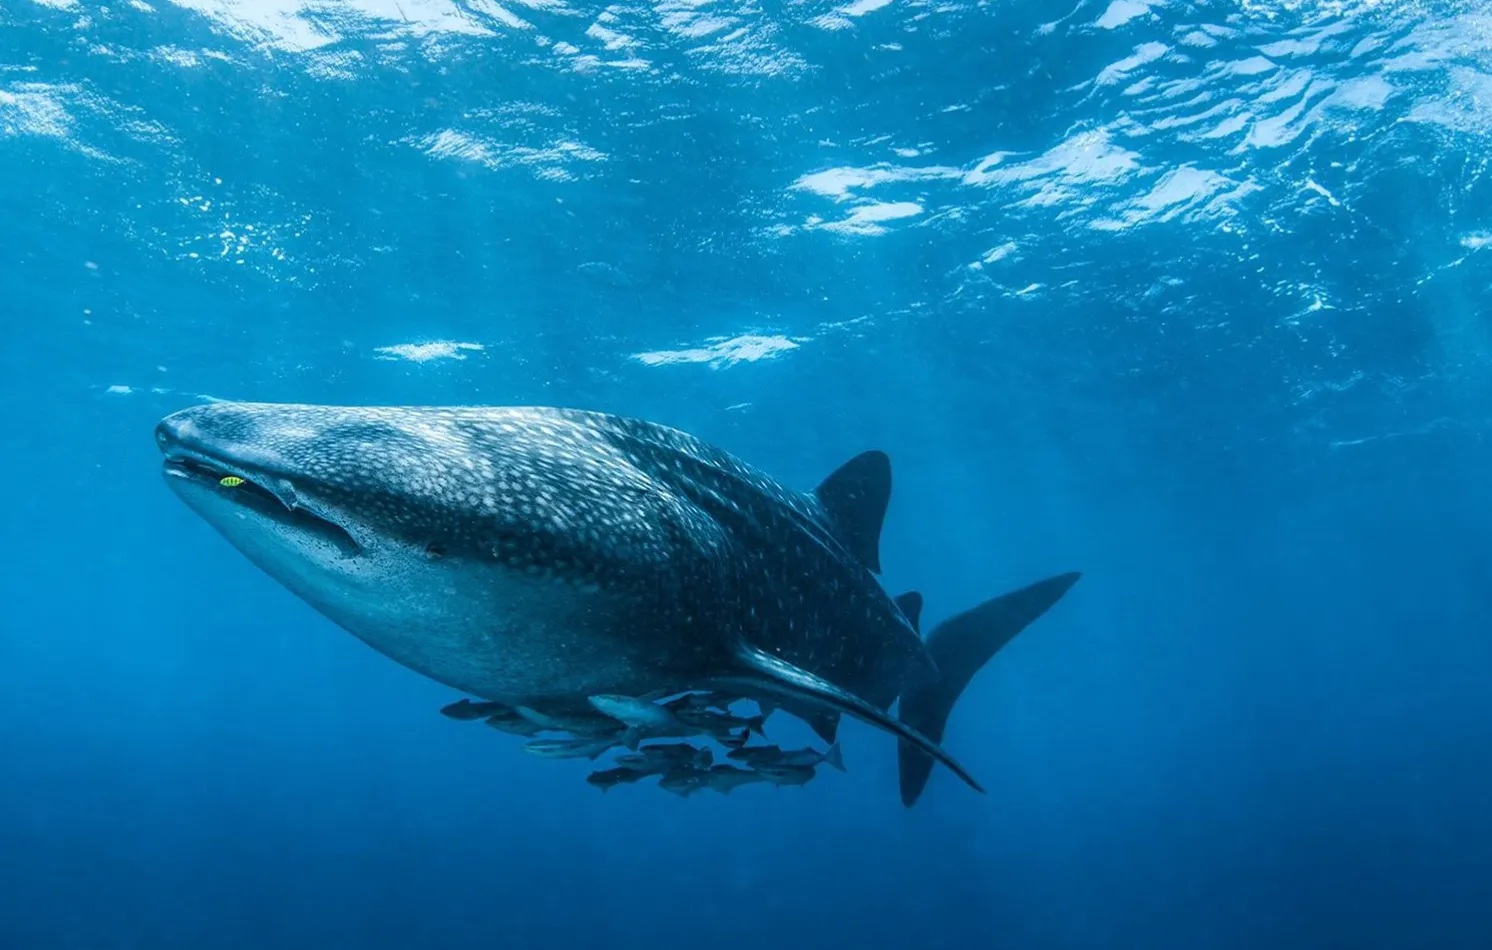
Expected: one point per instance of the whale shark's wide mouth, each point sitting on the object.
(246, 490)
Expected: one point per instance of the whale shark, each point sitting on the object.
(537, 557)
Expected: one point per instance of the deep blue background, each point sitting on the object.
(1251, 410)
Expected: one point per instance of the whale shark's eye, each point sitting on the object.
(435, 550)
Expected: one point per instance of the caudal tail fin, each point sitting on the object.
(960, 646)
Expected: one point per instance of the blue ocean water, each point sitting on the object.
(1189, 296)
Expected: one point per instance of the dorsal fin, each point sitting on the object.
(855, 496)
(910, 605)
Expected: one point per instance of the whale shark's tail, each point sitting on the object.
(852, 502)
(960, 646)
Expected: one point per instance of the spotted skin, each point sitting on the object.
(537, 556)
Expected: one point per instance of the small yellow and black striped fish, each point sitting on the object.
(230, 481)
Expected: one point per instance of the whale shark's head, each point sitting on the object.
(383, 517)
(324, 485)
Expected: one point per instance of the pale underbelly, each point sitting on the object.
(515, 643)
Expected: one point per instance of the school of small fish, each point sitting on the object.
(636, 724)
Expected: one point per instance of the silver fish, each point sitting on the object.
(610, 778)
(661, 758)
(586, 747)
(771, 755)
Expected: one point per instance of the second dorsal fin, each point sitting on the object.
(855, 496)
(910, 605)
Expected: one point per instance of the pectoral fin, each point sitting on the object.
(764, 672)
